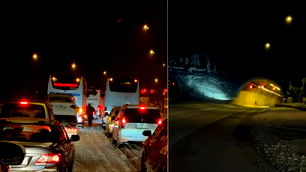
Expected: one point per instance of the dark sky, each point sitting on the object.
(234, 35)
(86, 33)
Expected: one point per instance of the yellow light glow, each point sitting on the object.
(267, 46)
(54, 79)
(145, 27)
(288, 19)
(152, 52)
(35, 56)
(73, 65)
(77, 80)
(104, 72)
(156, 80)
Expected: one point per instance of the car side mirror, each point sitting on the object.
(147, 133)
(75, 138)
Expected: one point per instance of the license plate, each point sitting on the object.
(141, 126)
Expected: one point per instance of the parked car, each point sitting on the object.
(64, 109)
(132, 120)
(46, 143)
(155, 149)
(26, 108)
(110, 121)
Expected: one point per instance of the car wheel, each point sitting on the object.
(143, 167)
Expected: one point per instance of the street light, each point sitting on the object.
(104, 73)
(156, 80)
(267, 46)
(35, 57)
(151, 52)
(73, 66)
(288, 20)
(145, 27)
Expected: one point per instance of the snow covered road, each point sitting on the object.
(95, 152)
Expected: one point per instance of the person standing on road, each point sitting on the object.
(90, 111)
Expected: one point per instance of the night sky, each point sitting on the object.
(96, 36)
(234, 35)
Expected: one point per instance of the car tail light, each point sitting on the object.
(123, 122)
(80, 110)
(159, 121)
(48, 158)
(71, 130)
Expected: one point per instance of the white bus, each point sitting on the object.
(120, 91)
(69, 84)
(95, 99)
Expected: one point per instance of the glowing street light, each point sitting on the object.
(145, 27)
(164, 64)
(151, 52)
(35, 56)
(104, 73)
(73, 66)
(267, 46)
(288, 20)
(156, 80)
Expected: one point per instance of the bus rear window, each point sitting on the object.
(17, 110)
(123, 85)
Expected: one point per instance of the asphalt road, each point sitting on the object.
(212, 137)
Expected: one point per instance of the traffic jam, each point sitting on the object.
(75, 128)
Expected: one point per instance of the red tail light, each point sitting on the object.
(123, 122)
(48, 158)
(159, 122)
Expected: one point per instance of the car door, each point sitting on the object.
(66, 146)
(158, 147)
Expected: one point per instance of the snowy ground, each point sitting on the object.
(280, 136)
(95, 152)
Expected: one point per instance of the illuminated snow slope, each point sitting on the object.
(205, 86)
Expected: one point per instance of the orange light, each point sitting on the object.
(135, 80)
(111, 79)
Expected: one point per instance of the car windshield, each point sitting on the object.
(66, 120)
(25, 132)
(142, 115)
(22, 110)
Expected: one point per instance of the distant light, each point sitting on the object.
(73, 66)
(145, 27)
(54, 79)
(164, 64)
(151, 52)
(135, 80)
(156, 80)
(77, 80)
(111, 79)
(35, 56)
(104, 73)
(267, 46)
(288, 19)
(143, 91)
(152, 91)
